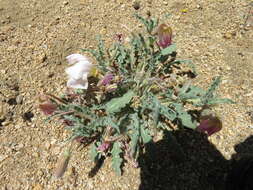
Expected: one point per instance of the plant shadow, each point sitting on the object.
(182, 160)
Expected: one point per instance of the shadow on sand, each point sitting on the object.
(186, 160)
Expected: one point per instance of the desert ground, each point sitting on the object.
(37, 35)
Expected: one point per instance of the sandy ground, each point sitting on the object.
(35, 38)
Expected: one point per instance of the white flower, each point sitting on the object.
(78, 73)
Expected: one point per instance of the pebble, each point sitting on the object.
(6, 123)
(3, 71)
(2, 157)
(227, 35)
(35, 154)
(65, 3)
(19, 99)
(136, 5)
(47, 145)
(42, 58)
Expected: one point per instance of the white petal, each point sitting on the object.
(79, 69)
(81, 84)
(74, 58)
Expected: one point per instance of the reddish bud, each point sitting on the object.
(210, 125)
(164, 36)
(104, 147)
(107, 79)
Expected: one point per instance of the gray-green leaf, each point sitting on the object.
(116, 104)
(116, 158)
(169, 50)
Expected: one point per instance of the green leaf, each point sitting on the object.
(154, 104)
(145, 135)
(220, 101)
(116, 104)
(103, 121)
(168, 50)
(184, 117)
(190, 92)
(135, 133)
(168, 113)
(210, 92)
(116, 158)
(209, 97)
(94, 153)
(150, 24)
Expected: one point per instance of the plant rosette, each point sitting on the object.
(132, 91)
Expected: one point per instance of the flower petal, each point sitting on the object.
(79, 69)
(74, 58)
(79, 83)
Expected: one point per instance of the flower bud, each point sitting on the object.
(209, 124)
(106, 80)
(104, 147)
(164, 36)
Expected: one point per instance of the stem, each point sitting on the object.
(56, 98)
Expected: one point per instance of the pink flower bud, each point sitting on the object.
(107, 79)
(164, 36)
(210, 125)
(104, 147)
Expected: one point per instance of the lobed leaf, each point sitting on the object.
(184, 117)
(116, 104)
(116, 158)
(168, 50)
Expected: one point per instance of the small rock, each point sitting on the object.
(228, 35)
(136, 5)
(47, 145)
(5, 123)
(12, 101)
(65, 3)
(42, 58)
(3, 71)
(28, 116)
(35, 154)
(19, 99)
(50, 75)
(2, 157)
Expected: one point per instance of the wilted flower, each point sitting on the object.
(119, 37)
(62, 164)
(78, 73)
(210, 125)
(48, 108)
(46, 105)
(164, 36)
